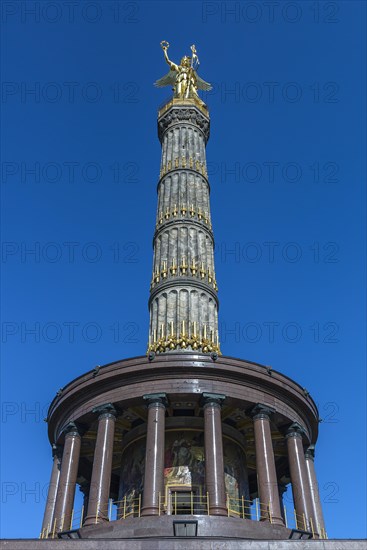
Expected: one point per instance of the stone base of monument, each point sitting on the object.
(204, 526)
(182, 543)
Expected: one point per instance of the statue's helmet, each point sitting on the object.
(185, 61)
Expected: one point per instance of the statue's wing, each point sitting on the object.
(167, 80)
(201, 84)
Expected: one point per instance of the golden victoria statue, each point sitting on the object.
(183, 77)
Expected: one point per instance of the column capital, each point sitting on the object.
(71, 429)
(186, 112)
(106, 410)
(159, 399)
(310, 453)
(295, 430)
(56, 451)
(215, 399)
(260, 411)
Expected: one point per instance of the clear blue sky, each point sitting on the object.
(286, 163)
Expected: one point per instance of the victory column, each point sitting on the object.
(182, 444)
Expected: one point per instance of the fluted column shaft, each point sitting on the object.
(48, 517)
(299, 479)
(102, 466)
(154, 454)
(214, 462)
(319, 523)
(265, 467)
(183, 300)
(68, 475)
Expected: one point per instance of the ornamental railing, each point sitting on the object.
(177, 503)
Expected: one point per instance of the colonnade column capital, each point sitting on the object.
(71, 430)
(295, 430)
(156, 399)
(56, 451)
(214, 399)
(107, 410)
(310, 453)
(261, 411)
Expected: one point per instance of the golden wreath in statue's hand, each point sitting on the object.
(164, 45)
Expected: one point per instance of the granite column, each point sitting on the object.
(68, 475)
(299, 478)
(154, 454)
(214, 462)
(265, 466)
(102, 466)
(48, 517)
(319, 524)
